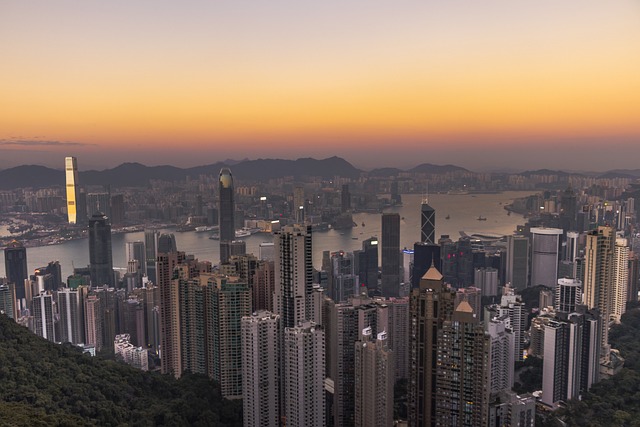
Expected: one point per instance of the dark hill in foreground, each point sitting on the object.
(42, 383)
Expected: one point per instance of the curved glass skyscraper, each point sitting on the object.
(226, 210)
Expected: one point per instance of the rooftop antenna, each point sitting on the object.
(425, 196)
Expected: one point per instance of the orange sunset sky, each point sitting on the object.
(492, 84)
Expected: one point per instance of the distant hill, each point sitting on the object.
(547, 172)
(136, 174)
(437, 169)
(49, 384)
(30, 176)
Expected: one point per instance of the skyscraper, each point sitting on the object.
(226, 210)
(230, 302)
(170, 312)
(261, 357)
(390, 255)
(71, 309)
(545, 255)
(620, 279)
(342, 280)
(15, 264)
(304, 375)
(368, 264)
(151, 253)
(167, 243)
(43, 316)
(374, 381)
(294, 275)
(425, 255)
(136, 251)
(462, 378)
(517, 262)
(427, 223)
(571, 355)
(8, 300)
(431, 304)
(100, 259)
(572, 246)
(71, 173)
(502, 354)
(345, 205)
(598, 276)
(568, 295)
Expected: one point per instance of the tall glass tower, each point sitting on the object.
(226, 210)
(15, 264)
(71, 172)
(100, 259)
(427, 223)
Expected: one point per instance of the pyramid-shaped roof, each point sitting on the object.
(432, 274)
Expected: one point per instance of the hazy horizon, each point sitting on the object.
(485, 85)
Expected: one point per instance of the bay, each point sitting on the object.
(463, 212)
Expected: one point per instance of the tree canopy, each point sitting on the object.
(42, 383)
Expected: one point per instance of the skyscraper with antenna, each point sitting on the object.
(427, 220)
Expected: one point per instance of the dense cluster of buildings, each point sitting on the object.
(307, 347)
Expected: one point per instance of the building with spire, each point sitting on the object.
(430, 306)
(226, 211)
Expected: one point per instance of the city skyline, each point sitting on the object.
(491, 85)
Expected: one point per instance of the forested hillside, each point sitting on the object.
(42, 383)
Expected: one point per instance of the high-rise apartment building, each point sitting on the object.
(342, 278)
(293, 274)
(502, 360)
(517, 271)
(462, 372)
(545, 256)
(304, 374)
(170, 348)
(261, 337)
(226, 210)
(71, 174)
(94, 320)
(374, 381)
(598, 276)
(8, 305)
(568, 295)
(230, 302)
(71, 310)
(427, 223)
(390, 286)
(100, 258)
(344, 323)
(571, 355)
(44, 316)
(620, 279)
(398, 334)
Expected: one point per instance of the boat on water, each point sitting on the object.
(240, 234)
(204, 228)
(457, 192)
(447, 217)
(481, 218)
(363, 223)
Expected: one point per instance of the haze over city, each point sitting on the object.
(485, 85)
